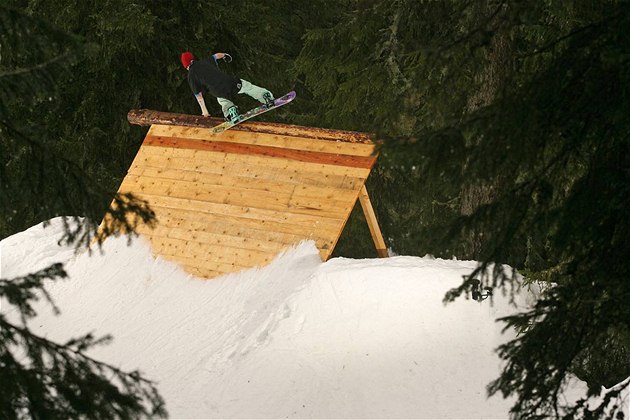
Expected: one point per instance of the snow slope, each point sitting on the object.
(298, 338)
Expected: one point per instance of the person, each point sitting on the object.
(204, 76)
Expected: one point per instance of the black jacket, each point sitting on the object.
(204, 76)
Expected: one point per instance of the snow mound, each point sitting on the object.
(298, 338)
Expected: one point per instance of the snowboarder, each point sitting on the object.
(204, 76)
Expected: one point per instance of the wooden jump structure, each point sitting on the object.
(231, 201)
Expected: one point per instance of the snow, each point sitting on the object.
(299, 338)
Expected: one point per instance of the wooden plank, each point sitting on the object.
(204, 237)
(255, 166)
(265, 139)
(234, 233)
(175, 217)
(278, 201)
(203, 265)
(221, 255)
(208, 180)
(229, 228)
(210, 267)
(215, 255)
(169, 223)
(207, 268)
(205, 158)
(227, 243)
(375, 230)
(267, 151)
(218, 209)
(164, 168)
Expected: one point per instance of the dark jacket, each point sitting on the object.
(204, 76)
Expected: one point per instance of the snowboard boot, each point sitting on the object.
(269, 101)
(232, 115)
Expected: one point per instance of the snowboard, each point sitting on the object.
(261, 109)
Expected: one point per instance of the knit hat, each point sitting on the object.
(187, 57)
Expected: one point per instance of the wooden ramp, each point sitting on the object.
(231, 201)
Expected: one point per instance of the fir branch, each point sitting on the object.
(477, 30)
(578, 31)
(21, 290)
(22, 71)
(74, 381)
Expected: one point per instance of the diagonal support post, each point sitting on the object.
(370, 216)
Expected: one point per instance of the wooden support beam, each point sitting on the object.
(370, 216)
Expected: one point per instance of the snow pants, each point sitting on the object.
(247, 88)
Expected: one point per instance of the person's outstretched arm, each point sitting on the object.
(202, 104)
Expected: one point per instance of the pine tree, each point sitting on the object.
(131, 59)
(69, 73)
(42, 378)
(506, 139)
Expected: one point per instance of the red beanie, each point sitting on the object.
(187, 57)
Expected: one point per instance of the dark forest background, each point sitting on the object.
(505, 128)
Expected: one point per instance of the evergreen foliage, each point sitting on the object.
(507, 141)
(41, 378)
(37, 168)
(69, 73)
(44, 379)
(505, 128)
(130, 59)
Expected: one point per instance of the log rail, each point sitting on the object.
(147, 117)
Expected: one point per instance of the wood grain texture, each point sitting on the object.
(370, 217)
(150, 117)
(265, 151)
(265, 139)
(204, 161)
(228, 202)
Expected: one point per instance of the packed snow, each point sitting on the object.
(299, 338)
